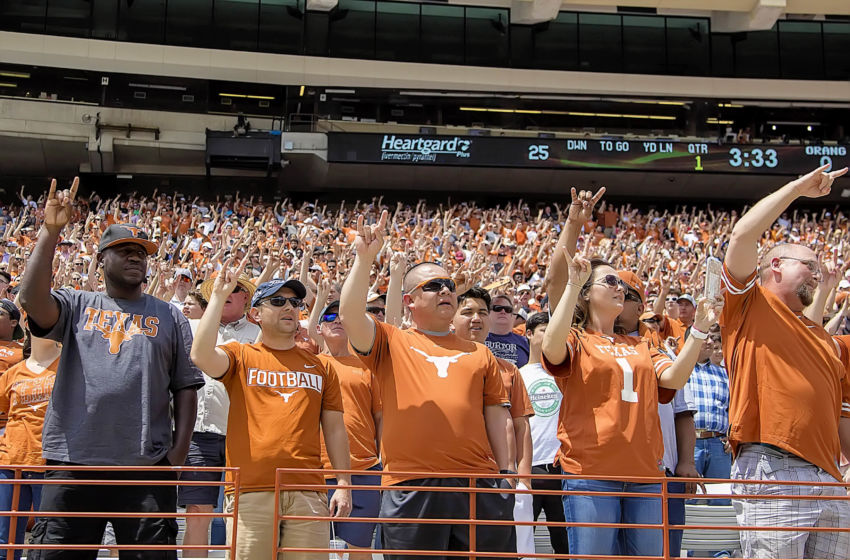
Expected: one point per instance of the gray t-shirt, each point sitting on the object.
(121, 361)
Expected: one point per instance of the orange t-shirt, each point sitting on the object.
(276, 402)
(10, 354)
(434, 390)
(785, 376)
(515, 386)
(360, 401)
(609, 422)
(24, 395)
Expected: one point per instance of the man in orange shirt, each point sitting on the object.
(789, 395)
(363, 417)
(472, 322)
(444, 408)
(280, 396)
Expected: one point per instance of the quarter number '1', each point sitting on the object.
(628, 394)
(698, 166)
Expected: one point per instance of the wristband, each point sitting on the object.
(506, 471)
(697, 334)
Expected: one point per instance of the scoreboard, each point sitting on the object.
(577, 153)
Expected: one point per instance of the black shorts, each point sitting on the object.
(205, 450)
(89, 530)
(399, 502)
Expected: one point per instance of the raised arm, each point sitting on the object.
(352, 308)
(554, 340)
(676, 376)
(394, 313)
(579, 213)
(207, 356)
(742, 254)
(35, 295)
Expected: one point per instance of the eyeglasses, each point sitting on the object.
(813, 266)
(612, 281)
(503, 309)
(651, 321)
(375, 310)
(280, 301)
(329, 317)
(238, 289)
(435, 285)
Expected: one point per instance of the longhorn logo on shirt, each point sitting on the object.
(442, 363)
(118, 327)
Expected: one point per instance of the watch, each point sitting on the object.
(506, 471)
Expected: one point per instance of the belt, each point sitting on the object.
(705, 434)
(771, 447)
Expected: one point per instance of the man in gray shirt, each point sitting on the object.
(125, 359)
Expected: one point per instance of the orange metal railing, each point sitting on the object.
(16, 514)
(664, 494)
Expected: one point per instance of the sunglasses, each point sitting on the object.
(375, 310)
(329, 317)
(651, 321)
(238, 289)
(503, 308)
(612, 281)
(436, 285)
(280, 301)
(631, 296)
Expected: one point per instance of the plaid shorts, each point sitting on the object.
(760, 463)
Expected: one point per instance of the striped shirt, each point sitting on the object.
(709, 385)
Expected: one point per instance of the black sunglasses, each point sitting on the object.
(280, 301)
(437, 284)
(505, 308)
(612, 281)
(375, 310)
(238, 289)
(631, 296)
(329, 317)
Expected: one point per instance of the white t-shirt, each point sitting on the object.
(546, 400)
(682, 402)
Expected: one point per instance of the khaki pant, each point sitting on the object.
(255, 537)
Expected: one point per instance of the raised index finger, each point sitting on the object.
(382, 222)
(74, 186)
(51, 194)
(598, 195)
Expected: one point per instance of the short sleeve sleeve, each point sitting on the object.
(661, 362)
(234, 354)
(565, 369)
(520, 401)
(494, 389)
(332, 395)
(380, 347)
(845, 397)
(65, 299)
(184, 373)
(736, 296)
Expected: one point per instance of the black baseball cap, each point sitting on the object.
(119, 234)
(15, 315)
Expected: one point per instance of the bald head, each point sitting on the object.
(418, 273)
(783, 250)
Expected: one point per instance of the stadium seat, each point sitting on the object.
(704, 540)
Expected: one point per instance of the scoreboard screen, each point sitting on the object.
(576, 153)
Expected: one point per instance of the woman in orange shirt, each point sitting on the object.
(25, 390)
(609, 424)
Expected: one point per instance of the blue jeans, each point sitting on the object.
(30, 496)
(676, 516)
(612, 509)
(712, 462)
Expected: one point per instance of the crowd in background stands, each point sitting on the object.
(659, 255)
(506, 249)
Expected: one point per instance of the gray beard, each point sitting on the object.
(806, 294)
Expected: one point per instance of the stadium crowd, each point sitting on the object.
(568, 337)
